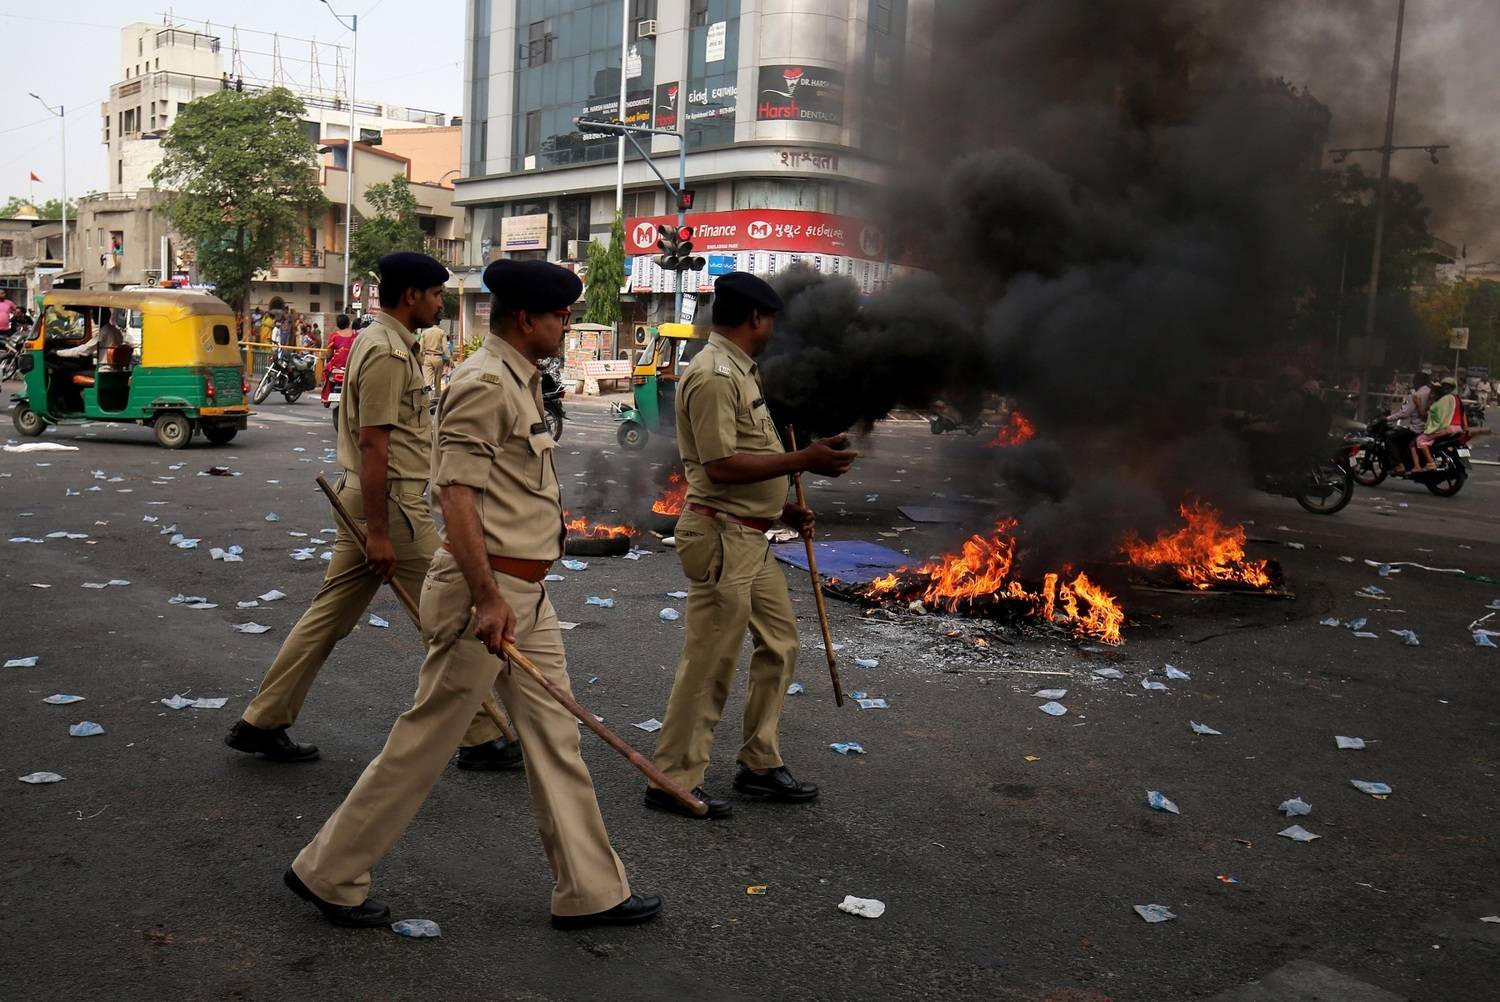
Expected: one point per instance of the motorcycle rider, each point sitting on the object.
(1409, 422)
(1292, 426)
(1443, 417)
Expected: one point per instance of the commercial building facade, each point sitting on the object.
(789, 112)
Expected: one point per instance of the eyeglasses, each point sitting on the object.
(564, 315)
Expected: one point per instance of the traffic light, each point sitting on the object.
(675, 244)
(685, 199)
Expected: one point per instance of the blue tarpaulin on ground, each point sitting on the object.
(850, 560)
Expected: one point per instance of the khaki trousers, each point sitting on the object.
(344, 597)
(432, 374)
(733, 583)
(458, 673)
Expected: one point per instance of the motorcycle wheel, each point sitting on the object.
(1452, 482)
(554, 421)
(8, 370)
(1340, 484)
(1368, 468)
(263, 388)
(292, 395)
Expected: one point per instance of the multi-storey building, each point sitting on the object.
(789, 111)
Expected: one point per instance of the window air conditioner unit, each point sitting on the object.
(578, 250)
(645, 29)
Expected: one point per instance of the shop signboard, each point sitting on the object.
(800, 93)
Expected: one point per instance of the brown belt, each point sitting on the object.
(530, 571)
(758, 524)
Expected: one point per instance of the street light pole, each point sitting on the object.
(353, 26)
(620, 152)
(1380, 198)
(62, 113)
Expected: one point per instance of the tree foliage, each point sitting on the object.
(1442, 306)
(392, 228)
(50, 209)
(243, 180)
(605, 276)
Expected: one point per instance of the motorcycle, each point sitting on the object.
(1369, 459)
(1323, 485)
(333, 389)
(290, 374)
(1473, 413)
(12, 348)
(552, 397)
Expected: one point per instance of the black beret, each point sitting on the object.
(412, 270)
(532, 285)
(754, 290)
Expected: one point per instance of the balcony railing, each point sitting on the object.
(449, 251)
(300, 259)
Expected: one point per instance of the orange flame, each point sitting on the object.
(1015, 431)
(982, 571)
(1203, 553)
(580, 527)
(673, 498)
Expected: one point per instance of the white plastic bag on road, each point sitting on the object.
(869, 908)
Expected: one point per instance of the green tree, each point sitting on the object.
(243, 178)
(392, 228)
(50, 209)
(605, 276)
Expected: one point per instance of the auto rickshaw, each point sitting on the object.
(657, 370)
(177, 368)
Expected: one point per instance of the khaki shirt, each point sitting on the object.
(383, 387)
(491, 437)
(434, 341)
(721, 411)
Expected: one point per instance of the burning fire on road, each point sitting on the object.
(582, 528)
(1205, 553)
(673, 498)
(1016, 430)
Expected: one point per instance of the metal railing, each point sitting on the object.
(299, 259)
(448, 251)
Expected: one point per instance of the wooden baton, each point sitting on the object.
(515, 657)
(817, 584)
(405, 597)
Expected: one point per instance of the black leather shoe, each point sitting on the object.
(362, 916)
(661, 800)
(775, 784)
(635, 909)
(492, 756)
(273, 744)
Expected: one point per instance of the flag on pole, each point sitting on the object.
(34, 177)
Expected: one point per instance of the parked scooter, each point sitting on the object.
(552, 396)
(1369, 459)
(290, 373)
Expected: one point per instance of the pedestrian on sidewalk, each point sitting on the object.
(737, 472)
(435, 357)
(384, 448)
(502, 511)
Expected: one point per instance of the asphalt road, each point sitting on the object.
(1008, 846)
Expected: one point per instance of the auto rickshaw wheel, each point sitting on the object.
(632, 436)
(27, 421)
(220, 434)
(173, 431)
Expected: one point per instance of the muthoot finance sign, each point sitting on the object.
(763, 229)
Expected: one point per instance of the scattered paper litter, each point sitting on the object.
(1408, 637)
(1174, 672)
(867, 662)
(1395, 564)
(271, 516)
(677, 595)
(868, 908)
(1109, 673)
(1482, 638)
(1053, 709)
(1203, 729)
(416, 928)
(38, 584)
(1346, 742)
(1490, 918)
(250, 628)
(1153, 685)
(669, 615)
(251, 604)
(62, 699)
(1298, 834)
(1295, 808)
(203, 605)
(848, 747)
(563, 625)
(1050, 693)
(796, 688)
(1373, 789)
(1367, 635)
(40, 777)
(649, 726)
(603, 603)
(554, 577)
(29, 662)
(1330, 621)
(176, 702)
(376, 621)
(1154, 913)
(576, 565)
(872, 704)
(1160, 802)
(85, 729)
(41, 447)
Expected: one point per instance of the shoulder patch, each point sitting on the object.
(723, 369)
(398, 353)
(489, 377)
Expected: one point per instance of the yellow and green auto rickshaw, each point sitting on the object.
(160, 357)
(657, 370)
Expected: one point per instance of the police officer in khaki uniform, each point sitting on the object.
(503, 526)
(384, 446)
(435, 356)
(737, 473)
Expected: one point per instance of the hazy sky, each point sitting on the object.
(69, 53)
